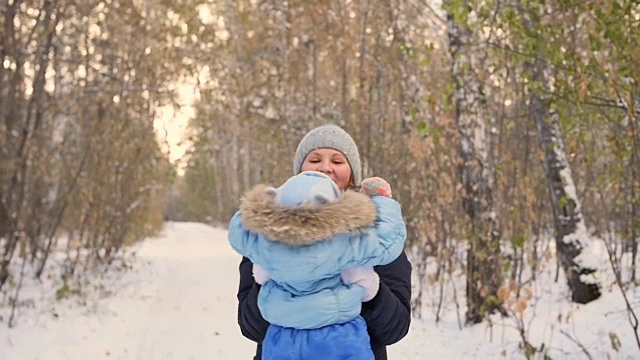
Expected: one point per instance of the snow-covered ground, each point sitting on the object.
(178, 302)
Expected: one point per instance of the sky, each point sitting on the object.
(171, 124)
(177, 300)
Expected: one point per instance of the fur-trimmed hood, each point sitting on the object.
(305, 225)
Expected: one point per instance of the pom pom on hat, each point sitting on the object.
(329, 137)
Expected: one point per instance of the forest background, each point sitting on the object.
(508, 129)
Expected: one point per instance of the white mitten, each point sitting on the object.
(260, 275)
(365, 277)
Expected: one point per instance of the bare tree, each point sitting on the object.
(483, 256)
(571, 234)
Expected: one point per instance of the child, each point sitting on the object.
(301, 237)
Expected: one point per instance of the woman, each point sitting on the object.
(331, 150)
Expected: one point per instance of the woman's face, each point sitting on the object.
(331, 162)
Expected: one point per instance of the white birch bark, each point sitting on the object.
(573, 242)
(483, 268)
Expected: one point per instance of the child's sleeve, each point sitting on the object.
(381, 243)
(242, 241)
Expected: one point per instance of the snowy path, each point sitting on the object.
(178, 303)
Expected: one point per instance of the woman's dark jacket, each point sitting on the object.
(388, 314)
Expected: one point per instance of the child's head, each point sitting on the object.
(330, 150)
(309, 188)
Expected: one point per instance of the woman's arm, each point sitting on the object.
(388, 314)
(252, 325)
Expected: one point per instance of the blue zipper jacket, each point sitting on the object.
(304, 250)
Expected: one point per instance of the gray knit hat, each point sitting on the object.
(329, 137)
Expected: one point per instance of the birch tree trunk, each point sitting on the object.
(483, 257)
(571, 235)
